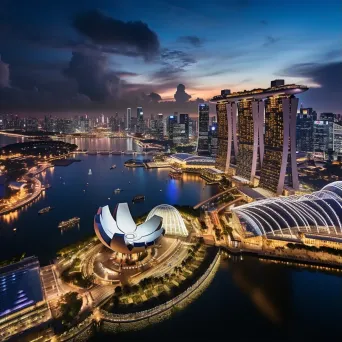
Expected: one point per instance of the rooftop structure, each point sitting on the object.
(260, 93)
(319, 213)
(120, 233)
(173, 222)
(20, 286)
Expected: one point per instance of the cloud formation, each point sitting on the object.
(181, 96)
(93, 76)
(191, 40)
(4, 74)
(327, 76)
(132, 36)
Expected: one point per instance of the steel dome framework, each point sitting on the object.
(316, 213)
(173, 222)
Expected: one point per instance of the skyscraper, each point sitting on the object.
(184, 120)
(213, 140)
(140, 120)
(128, 119)
(250, 118)
(276, 149)
(203, 129)
(172, 120)
(304, 129)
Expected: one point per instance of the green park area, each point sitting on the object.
(154, 291)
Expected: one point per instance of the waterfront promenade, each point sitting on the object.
(37, 188)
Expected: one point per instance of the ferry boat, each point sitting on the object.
(117, 191)
(45, 210)
(138, 198)
(90, 172)
(69, 223)
(112, 167)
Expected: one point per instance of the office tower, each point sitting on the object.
(128, 119)
(304, 129)
(172, 120)
(276, 153)
(203, 129)
(213, 140)
(140, 120)
(102, 119)
(184, 120)
(223, 157)
(327, 137)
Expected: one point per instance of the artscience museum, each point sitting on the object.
(120, 233)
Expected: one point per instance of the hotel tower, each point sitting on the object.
(263, 135)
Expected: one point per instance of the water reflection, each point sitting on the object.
(268, 287)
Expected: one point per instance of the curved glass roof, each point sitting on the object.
(318, 213)
(173, 222)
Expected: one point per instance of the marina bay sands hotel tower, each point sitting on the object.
(257, 131)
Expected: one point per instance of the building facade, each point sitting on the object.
(203, 129)
(266, 133)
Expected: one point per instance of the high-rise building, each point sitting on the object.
(279, 166)
(249, 128)
(140, 120)
(304, 129)
(172, 120)
(203, 129)
(184, 120)
(275, 150)
(128, 119)
(213, 140)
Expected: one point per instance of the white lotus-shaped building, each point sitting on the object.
(120, 233)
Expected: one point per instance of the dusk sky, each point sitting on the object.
(103, 56)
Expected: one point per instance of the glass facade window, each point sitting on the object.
(222, 136)
(246, 139)
(203, 129)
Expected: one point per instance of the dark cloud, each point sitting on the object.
(132, 36)
(264, 22)
(4, 74)
(270, 40)
(181, 96)
(93, 76)
(328, 76)
(154, 97)
(174, 63)
(191, 40)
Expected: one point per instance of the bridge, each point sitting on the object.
(216, 197)
(108, 152)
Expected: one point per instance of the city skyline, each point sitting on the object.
(76, 61)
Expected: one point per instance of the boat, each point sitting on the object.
(89, 172)
(14, 229)
(45, 210)
(69, 223)
(117, 191)
(112, 167)
(138, 198)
